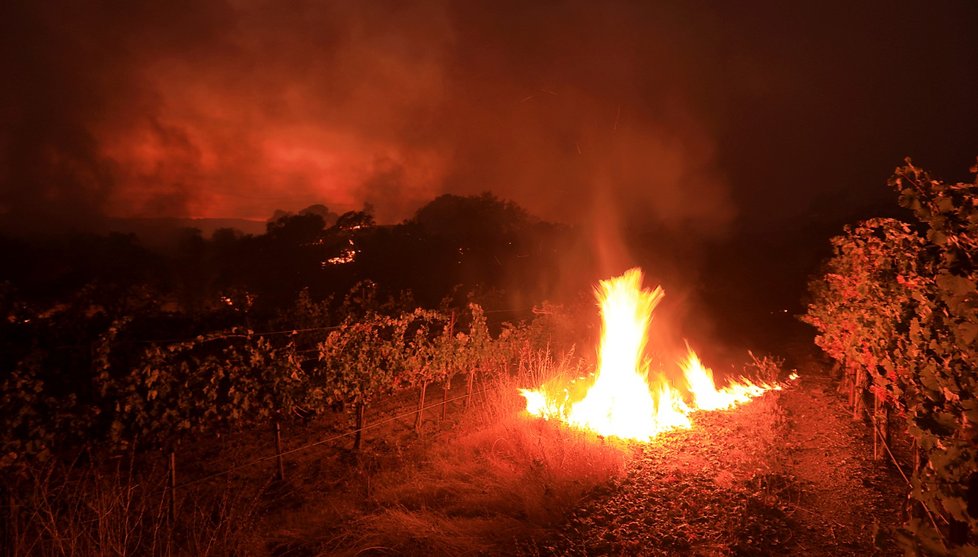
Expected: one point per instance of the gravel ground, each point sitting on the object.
(788, 474)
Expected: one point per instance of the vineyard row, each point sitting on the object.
(897, 308)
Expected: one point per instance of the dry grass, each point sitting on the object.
(120, 510)
(483, 481)
(492, 482)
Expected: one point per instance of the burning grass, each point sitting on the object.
(624, 398)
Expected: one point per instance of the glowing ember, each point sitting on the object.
(620, 401)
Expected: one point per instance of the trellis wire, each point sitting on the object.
(315, 444)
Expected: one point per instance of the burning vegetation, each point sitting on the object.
(625, 397)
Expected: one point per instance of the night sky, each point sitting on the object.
(696, 116)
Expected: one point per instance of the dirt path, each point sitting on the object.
(788, 474)
(848, 503)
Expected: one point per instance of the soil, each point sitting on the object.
(789, 474)
(851, 504)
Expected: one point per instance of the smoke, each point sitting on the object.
(582, 112)
(235, 109)
(74, 93)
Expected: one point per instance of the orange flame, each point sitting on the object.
(621, 401)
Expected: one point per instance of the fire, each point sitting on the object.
(705, 394)
(620, 400)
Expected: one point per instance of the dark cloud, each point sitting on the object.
(683, 114)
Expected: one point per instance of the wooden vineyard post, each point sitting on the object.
(886, 423)
(877, 437)
(278, 452)
(444, 398)
(358, 436)
(916, 457)
(418, 415)
(857, 404)
(468, 388)
(173, 486)
(448, 376)
(852, 389)
(881, 423)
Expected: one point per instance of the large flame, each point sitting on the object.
(621, 401)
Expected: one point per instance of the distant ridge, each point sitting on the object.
(150, 231)
(165, 232)
(140, 226)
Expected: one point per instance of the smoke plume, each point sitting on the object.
(579, 111)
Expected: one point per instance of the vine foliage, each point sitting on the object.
(897, 307)
(136, 395)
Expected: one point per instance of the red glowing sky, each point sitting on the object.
(689, 115)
